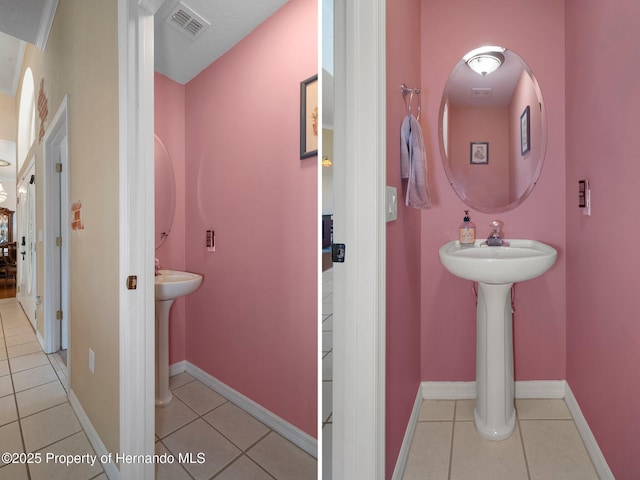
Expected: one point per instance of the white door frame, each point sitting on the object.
(29, 301)
(359, 283)
(56, 210)
(136, 227)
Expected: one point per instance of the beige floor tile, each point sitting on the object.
(39, 398)
(237, 425)
(464, 410)
(476, 458)
(23, 349)
(6, 386)
(202, 440)
(74, 445)
(542, 409)
(49, 426)
(429, 453)
(555, 450)
(199, 397)
(282, 459)
(3, 353)
(173, 416)
(8, 412)
(243, 468)
(4, 368)
(15, 471)
(28, 361)
(327, 447)
(179, 380)
(169, 471)
(439, 410)
(20, 339)
(33, 377)
(17, 330)
(10, 439)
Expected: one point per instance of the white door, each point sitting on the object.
(26, 244)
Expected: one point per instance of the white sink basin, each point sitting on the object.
(521, 260)
(171, 284)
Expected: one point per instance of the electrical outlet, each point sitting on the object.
(92, 361)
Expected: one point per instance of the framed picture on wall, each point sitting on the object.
(309, 117)
(525, 132)
(479, 153)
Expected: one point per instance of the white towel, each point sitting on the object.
(413, 163)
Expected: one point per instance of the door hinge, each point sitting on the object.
(58, 241)
(59, 315)
(58, 168)
(338, 252)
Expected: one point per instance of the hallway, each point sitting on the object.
(35, 414)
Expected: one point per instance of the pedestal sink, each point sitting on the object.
(170, 284)
(496, 269)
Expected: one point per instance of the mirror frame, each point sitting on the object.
(474, 203)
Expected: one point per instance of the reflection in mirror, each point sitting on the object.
(504, 112)
(165, 192)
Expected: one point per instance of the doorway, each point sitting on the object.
(57, 235)
(26, 245)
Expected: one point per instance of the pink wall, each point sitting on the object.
(535, 31)
(603, 331)
(169, 126)
(403, 235)
(253, 323)
(480, 124)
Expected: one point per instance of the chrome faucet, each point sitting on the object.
(495, 238)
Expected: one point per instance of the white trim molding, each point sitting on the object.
(136, 226)
(94, 439)
(358, 450)
(405, 448)
(590, 443)
(277, 424)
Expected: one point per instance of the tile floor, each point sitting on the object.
(546, 445)
(327, 371)
(235, 445)
(35, 415)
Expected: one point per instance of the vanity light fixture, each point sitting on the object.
(3, 194)
(485, 60)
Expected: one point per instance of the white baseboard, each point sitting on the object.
(110, 468)
(467, 390)
(290, 432)
(599, 462)
(403, 455)
(527, 389)
(178, 367)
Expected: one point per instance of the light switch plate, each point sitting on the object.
(391, 204)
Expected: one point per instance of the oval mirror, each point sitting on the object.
(165, 192)
(493, 129)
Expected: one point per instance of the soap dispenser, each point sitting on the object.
(467, 231)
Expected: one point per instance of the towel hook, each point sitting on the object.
(411, 91)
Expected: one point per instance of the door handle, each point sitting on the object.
(23, 254)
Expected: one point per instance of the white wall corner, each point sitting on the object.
(403, 455)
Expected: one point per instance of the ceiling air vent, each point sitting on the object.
(186, 21)
(478, 92)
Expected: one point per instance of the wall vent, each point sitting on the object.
(186, 21)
